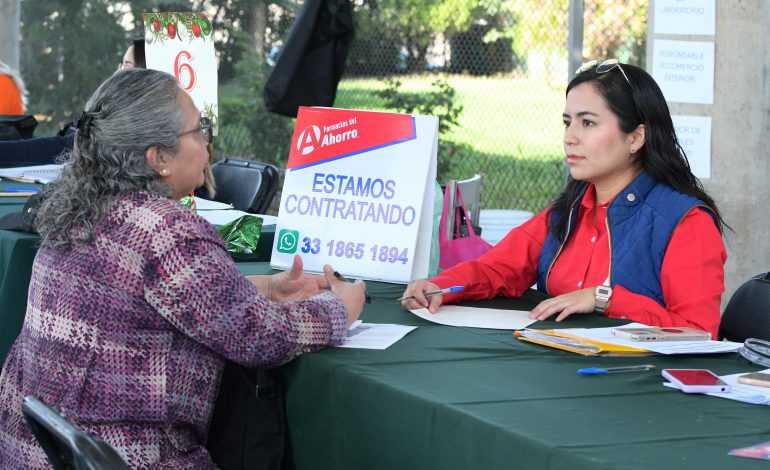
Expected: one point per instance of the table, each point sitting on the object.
(463, 398)
(17, 252)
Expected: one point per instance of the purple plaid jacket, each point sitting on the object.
(128, 336)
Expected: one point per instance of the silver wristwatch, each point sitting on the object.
(603, 295)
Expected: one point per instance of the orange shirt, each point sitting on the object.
(691, 277)
(10, 98)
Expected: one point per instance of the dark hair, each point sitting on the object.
(635, 101)
(139, 57)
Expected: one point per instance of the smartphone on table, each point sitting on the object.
(760, 379)
(695, 380)
(655, 333)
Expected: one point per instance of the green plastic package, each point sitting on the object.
(242, 234)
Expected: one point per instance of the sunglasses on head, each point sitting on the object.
(606, 66)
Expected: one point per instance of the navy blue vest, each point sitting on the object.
(641, 220)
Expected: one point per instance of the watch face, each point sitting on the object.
(603, 291)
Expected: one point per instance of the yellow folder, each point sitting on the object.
(562, 339)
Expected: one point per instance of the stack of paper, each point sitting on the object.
(601, 341)
(32, 174)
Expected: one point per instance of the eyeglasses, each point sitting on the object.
(606, 66)
(206, 129)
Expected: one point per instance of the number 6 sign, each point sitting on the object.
(183, 71)
(182, 44)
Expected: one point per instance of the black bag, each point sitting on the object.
(747, 315)
(13, 127)
(248, 426)
(24, 220)
(312, 60)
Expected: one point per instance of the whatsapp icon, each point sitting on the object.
(287, 241)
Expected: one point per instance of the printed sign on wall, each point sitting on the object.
(690, 17)
(182, 44)
(694, 135)
(358, 194)
(684, 70)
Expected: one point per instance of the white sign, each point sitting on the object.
(182, 44)
(358, 194)
(684, 70)
(685, 17)
(694, 135)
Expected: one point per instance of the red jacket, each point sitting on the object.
(692, 274)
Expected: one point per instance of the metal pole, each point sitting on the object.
(575, 39)
(574, 46)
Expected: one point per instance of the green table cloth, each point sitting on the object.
(463, 398)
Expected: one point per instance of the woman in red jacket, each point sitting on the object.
(633, 235)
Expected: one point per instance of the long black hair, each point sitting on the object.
(636, 99)
(139, 57)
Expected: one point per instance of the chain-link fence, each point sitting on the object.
(493, 71)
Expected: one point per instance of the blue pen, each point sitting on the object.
(435, 292)
(21, 190)
(611, 370)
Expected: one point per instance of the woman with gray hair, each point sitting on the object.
(134, 302)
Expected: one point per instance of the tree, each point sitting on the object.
(416, 23)
(68, 49)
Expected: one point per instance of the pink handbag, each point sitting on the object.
(464, 246)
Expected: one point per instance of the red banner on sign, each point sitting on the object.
(324, 134)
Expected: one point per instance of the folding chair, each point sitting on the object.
(747, 314)
(249, 186)
(471, 192)
(66, 446)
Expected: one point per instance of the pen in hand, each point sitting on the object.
(339, 276)
(611, 370)
(435, 292)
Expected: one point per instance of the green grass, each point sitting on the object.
(510, 130)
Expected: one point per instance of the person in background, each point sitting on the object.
(134, 56)
(633, 235)
(134, 302)
(45, 150)
(13, 94)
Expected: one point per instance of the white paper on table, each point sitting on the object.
(38, 173)
(209, 205)
(752, 394)
(661, 347)
(497, 319)
(374, 335)
(222, 217)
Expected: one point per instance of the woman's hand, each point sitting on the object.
(350, 293)
(290, 286)
(580, 301)
(418, 289)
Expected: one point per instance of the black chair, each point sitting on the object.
(249, 186)
(747, 314)
(66, 446)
